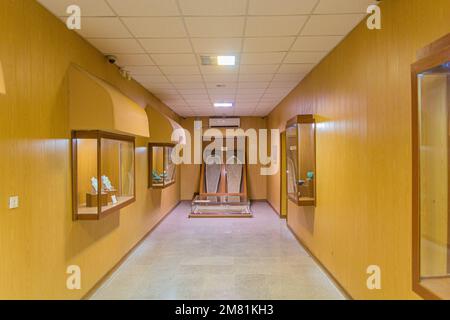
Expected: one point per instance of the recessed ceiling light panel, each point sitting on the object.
(223, 104)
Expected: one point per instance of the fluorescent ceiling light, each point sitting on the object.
(223, 104)
(226, 60)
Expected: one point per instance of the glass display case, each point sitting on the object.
(431, 175)
(223, 205)
(301, 160)
(162, 170)
(103, 173)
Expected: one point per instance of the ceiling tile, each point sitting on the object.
(196, 92)
(104, 27)
(143, 70)
(242, 91)
(288, 77)
(215, 26)
(257, 69)
(287, 84)
(180, 70)
(296, 68)
(168, 27)
(221, 91)
(267, 44)
(277, 7)
(262, 58)
(185, 78)
(125, 46)
(217, 45)
(305, 57)
(343, 6)
(189, 85)
(174, 59)
(150, 79)
(217, 78)
(225, 85)
(325, 43)
(89, 8)
(274, 26)
(331, 24)
(213, 7)
(144, 8)
(134, 60)
(166, 45)
(219, 69)
(255, 77)
(253, 85)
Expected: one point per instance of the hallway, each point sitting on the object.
(185, 258)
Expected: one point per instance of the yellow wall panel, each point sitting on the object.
(362, 95)
(39, 239)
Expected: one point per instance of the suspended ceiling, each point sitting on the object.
(160, 42)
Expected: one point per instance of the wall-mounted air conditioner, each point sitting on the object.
(224, 122)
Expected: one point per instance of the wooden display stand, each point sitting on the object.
(92, 199)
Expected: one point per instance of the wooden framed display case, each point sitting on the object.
(301, 160)
(162, 171)
(103, 173)
(431, 171)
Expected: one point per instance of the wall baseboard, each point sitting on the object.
(103, 279)
(322, 266)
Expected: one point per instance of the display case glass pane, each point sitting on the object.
(103, 173)
(117, 172)
(157, 166)
(169, 167)
(301, 160)
(292, 162)
(434, 174)
(86, 177)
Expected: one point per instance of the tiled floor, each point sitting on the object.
(185, 258)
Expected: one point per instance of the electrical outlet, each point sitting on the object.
(14, 202)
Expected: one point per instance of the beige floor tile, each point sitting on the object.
(219, 259)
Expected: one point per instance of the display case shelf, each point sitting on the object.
(301, 160)
(103, 173)
(162, 171)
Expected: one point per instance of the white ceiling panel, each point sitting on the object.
(124, 46)
(143, 70)
(274, 26)
(89, 8)
(166, 45)
(174, 59)
(185, 78)
(262, 58)
(300, 68)
(104, 27)
(276, 44)
(343, 6)
(215, 26)
(313, 43)
(276, 7)
(329, 25)
(268, 44)
(179, 70)
(259, 69)
(213, 7)
(134, 60)
(144, 8)
(305, 57)
(167, 27)
(151, 79)
(217, 45)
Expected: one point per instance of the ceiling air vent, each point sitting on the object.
(208, 60)
(224, 122)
